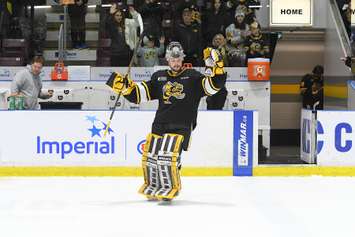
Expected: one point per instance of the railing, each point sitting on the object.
(340, 27)
(61, 40)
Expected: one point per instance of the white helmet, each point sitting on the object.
(174, 50)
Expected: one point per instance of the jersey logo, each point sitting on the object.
(173, 90)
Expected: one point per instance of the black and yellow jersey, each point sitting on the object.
(179, 94)
(257, 46)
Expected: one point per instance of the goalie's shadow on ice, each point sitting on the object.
(194, 203)
(166, 203)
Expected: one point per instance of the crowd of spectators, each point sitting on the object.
(230, 26)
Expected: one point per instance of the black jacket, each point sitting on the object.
(152, 14)
(118, 41)
(74, 9)
(190, 39)
(214, 23)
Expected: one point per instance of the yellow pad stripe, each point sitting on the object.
(138, 94)
(147, 90)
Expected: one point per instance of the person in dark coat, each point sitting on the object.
(306, 91)
(77, 13)
(190, 37)
(123, 34)
(215, 21)
(152, 14)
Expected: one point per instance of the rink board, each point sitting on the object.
(67, 143)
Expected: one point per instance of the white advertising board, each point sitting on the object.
(335, 138)
(80, 73)
(291, 13)
(75, 138)
(308, 136)
(8, 73)
(144, 73)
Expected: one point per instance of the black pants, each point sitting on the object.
(78, 34)
(161, 129)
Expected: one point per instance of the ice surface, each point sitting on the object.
(218, 206)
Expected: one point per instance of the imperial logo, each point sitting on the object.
(243, 145)
(66, 147)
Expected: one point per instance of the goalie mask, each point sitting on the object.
(174, 50)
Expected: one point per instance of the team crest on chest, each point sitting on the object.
(173, 90)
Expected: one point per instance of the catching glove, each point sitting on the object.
(213, 62)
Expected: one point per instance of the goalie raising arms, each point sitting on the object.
(179, 91)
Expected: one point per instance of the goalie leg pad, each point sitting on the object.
(168, 166)
(149, 164)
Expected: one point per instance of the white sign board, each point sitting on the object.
(75, 138)
(79, 73)
(291, 13)
(145, 73)
(335, 138)
(308, 136)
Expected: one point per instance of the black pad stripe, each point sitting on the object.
(151, 144)
(174, 143)
(158, 145)
(167, 141)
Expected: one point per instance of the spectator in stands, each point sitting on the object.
(317, 74)
(189, 36)
(123, 34)
(220, 43)
(317, 87)
(152, 13)
(149, 54)
(28, 83)
(345, 10)
(347, 61)
(39, 34)
(256, 44)
(311, 88)
(5, 14)
(317, 95)
(248, 6)
(215, 21)
(347, 20)
(306, 91)
(236, 34)
(77, 13)
(21, 29)
(217, 101)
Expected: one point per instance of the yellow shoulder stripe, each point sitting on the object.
(138, 94)
(147, 90)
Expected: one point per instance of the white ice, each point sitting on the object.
(218, 206)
